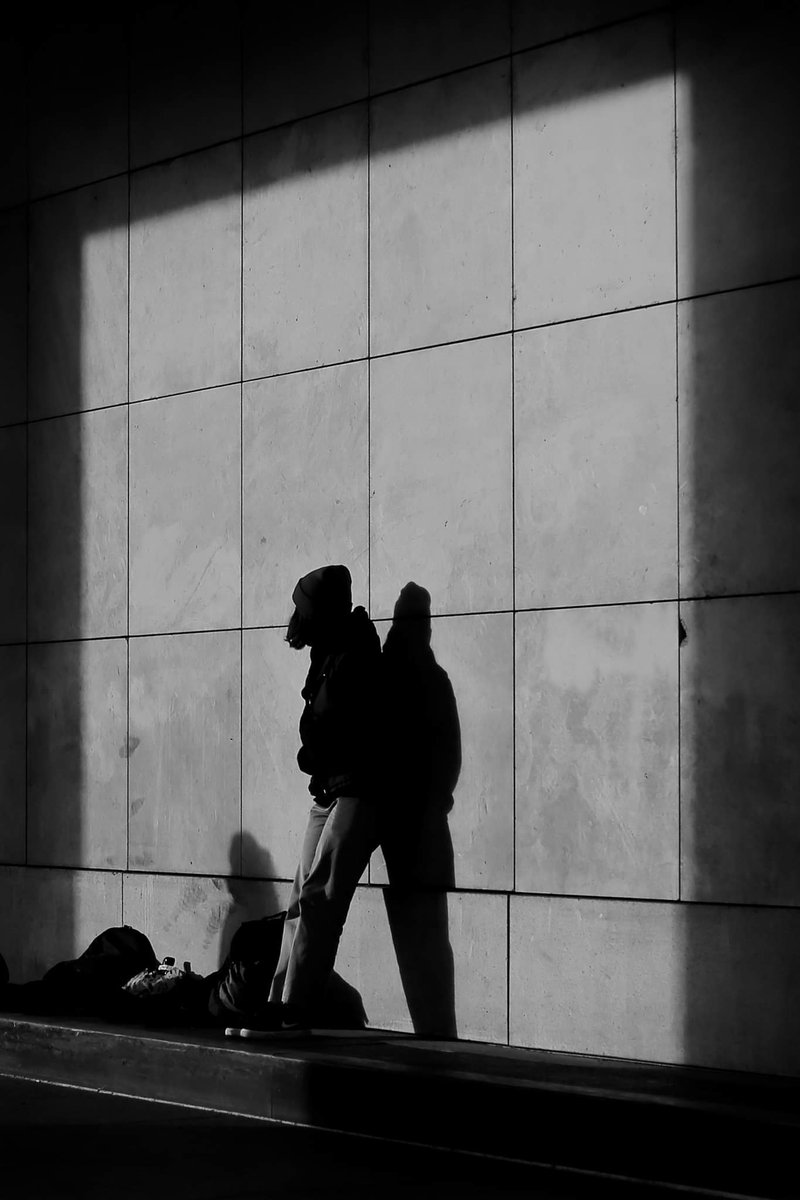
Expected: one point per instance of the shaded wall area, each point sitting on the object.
(494, 299)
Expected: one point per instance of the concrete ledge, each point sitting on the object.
(731, 1133)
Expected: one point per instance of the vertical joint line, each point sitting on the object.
(677, 425)
(242, 9)
(368, 39)
(27, 494)
(128, 556)
(28, 212)
(369, 307)
(508, 968)
(513, 467)
(368, 36)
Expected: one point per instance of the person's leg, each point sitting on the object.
(317, 820)
(348, 839)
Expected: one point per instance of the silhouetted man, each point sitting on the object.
(338, 751)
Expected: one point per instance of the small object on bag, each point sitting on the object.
(158, 981)
(166, 991)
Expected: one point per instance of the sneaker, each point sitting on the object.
(255, 1034)
(280, 1020)
(267, 1017)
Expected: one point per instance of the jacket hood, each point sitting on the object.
(326, 591)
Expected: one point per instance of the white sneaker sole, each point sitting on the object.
(262, 1035)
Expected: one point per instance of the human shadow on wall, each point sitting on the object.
(250, 898)
(257, 896)
(423, 762)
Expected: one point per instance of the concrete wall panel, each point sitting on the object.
(600, 109)
(417, 40)
(738, 183)
(597, 751)
(740, 750)
(275, 798)
(184, 750)
(77, 742)
(306, 478)
(305, 296)
(13, 315)
(185, 79)
(739, 422)
(441, 477)
(741, 972)
(460, 726)
(79, 300)
(185, 550)
(47, 916)
(552, 19)
(301, 60)
(77, 525)
(596, 460)
(78, 81)
(693, 984)
(185, 256)
(194, 919)
(440, 215)
(452, 951)
(12, 754)
(13, 483)
(597, 976)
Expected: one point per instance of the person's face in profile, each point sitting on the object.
(318, 630)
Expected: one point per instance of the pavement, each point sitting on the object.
(91, 1109)
(62, 1143)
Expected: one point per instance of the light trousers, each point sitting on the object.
(336, 849)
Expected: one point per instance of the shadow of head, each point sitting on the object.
(253, 896)
(424, 744)
(410, 632)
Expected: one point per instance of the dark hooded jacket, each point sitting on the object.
(338, 726)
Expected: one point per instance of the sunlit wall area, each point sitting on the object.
(497, 299)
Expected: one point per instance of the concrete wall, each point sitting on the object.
(499, 300)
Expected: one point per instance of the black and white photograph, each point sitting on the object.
(400, 600)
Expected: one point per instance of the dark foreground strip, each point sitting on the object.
(725, 1133)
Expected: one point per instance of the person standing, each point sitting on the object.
(339, 752)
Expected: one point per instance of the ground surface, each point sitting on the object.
(59, 1142)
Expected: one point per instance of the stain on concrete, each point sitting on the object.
(193, 895)
(128, 746)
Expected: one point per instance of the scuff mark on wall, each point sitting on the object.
(128, 746)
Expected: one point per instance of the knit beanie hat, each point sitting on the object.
(325, 591)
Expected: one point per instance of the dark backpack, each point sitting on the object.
(90, 985)
(239, 989)
(93, 982)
